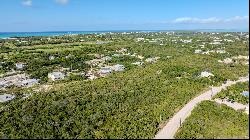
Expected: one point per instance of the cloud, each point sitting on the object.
(62, 2)
(196, 20)
(27, 3)
(210, 20)
(238, 18)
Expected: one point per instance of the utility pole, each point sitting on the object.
(180, 121)
(211, 91)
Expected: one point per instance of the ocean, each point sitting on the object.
(27, 34)
(4, 35)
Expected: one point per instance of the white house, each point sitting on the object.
(220, 51)
(105, 70)
(117, 55)
(29, 82)
(118, 67)
(6, 97)
(106, 58)
(226, 61)
(140, 39)
(197, 51)
(122, 50)
(56, 76)
(140, 57)
(51, 57)
(215, 43)
(152, 60)
(20, 65)
(186, 41)
(90, 74)
(206, 74)
(137, 63)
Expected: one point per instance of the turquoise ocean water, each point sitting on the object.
(26, 34)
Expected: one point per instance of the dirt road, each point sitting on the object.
(174, 123)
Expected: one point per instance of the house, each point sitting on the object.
(56, 76)
(12, 80)
(186, 41)
(138, 63)
(105, 70)
(3, 83)
(197, 51)
(227, 61)
(122, 50)
(152, 60)
(20, 65)
(90, 75)
(118, 67)
(241, 57)
(140, 57)
(215, 43)
(245, 93)
(106, 58)
(117, 55)
(228, 40)
(29, 82)
(220, 51)
(26, 95)
(206, 74)
(6, 97)
(51, 57)
(1, 64)
(140, 39)
(202, 46)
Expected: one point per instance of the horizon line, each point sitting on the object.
(247, 30)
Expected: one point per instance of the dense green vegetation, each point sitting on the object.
(212, 121)
(233, 93)
(128, 104)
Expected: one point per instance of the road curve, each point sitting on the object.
(174, 123)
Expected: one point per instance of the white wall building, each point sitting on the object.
(56, 76)
(118, 67)
(206, 74)
(20, 65)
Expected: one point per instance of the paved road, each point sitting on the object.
(234, 105)
(173, 124)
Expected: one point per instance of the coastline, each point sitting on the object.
(6, 35)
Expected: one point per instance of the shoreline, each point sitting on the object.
(7, 35)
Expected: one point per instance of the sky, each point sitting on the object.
(103, 15)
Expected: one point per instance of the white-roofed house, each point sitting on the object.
(56, 76)
(20, 65)
(138, 63)
(105, 70)
(206, 74)
(118, 67)
(6, 97)
(29, 82)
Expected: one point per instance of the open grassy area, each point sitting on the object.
(212, 121)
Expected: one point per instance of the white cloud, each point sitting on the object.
(27, 3)
(238, 18)
(210, 20)
(62, 2)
